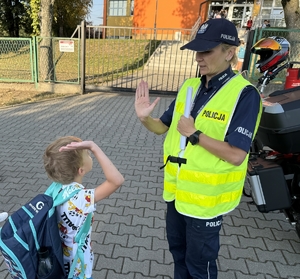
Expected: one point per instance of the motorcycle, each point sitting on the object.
(273, 173)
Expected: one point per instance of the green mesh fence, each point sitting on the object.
(292, 35)
(58, 60)
(16, 60)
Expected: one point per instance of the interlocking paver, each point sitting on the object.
(238, 253)
(129, 229)
(252, 242)
(265, 232)
(283, 245)
(231, 264)
(275, 256)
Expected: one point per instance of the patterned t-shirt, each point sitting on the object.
(70, 216)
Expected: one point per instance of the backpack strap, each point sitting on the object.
(80, 240)
(60, 195)
(53, 190)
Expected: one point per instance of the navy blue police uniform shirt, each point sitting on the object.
(241, 128)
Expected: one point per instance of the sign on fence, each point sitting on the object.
(66, 45)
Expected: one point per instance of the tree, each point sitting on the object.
(292, 21)
(34, 16)
(291, 13)
(46, 52)
(13, 17)
(24, 16)
(65, 16)
(69, 14)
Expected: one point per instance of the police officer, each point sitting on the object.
(205, 180)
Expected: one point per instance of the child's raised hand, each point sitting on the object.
(78, 145)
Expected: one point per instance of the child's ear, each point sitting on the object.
(80, 171)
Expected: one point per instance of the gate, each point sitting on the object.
(103, 58)
(118, 58)
(58, 60)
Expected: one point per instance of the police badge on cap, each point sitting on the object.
(212, 33)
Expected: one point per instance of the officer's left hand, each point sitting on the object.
(186, 126)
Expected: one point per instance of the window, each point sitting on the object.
(117, 8)
(268, 3)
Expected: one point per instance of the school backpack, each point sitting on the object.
(33, 228)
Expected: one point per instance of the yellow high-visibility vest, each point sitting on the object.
(206, 186)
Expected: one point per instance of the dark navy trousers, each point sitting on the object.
(194, 244)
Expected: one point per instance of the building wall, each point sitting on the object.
(166, 13)
(122, 21)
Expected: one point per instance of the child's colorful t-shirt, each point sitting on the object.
(70, 216)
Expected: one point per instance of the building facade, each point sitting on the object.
(239, 11)
(184, 13)
(152, 13)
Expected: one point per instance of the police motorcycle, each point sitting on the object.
(273, 174)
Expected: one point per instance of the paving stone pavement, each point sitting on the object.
(129, 230)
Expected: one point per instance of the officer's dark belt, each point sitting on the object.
(174, 159)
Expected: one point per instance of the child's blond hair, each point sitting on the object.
(63, 166)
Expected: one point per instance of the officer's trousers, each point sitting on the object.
(194, 244)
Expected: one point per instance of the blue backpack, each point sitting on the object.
(33, 228)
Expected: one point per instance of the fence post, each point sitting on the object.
(83, 51)
(35, 62)
(249, 44)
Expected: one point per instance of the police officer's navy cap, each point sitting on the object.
(212, 33)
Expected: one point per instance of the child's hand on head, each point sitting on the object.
(77, 145)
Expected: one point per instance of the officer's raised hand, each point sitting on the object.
(143, 107)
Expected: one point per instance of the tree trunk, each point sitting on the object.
(46, 50)
(291, 13)
(16, 13)
(292, 20)
(8, 18)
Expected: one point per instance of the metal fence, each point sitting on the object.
(58, 60)
(39, 59)
(118, 58)
(115, 58)
(16, 60)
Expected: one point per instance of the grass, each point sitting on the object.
(105, 59)
(110, 59)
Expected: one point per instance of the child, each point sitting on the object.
(265, 24)
(67, 160)
(241, 55)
